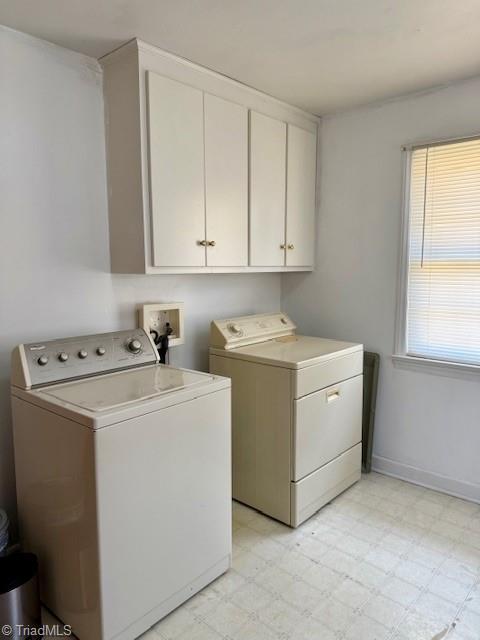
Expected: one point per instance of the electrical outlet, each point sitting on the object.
(154, 317)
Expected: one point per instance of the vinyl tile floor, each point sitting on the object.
(386, 560)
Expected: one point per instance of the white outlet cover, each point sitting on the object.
(154, 315)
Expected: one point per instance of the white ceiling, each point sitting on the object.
(322, 55)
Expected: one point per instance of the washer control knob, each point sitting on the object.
(63, 357)
(101, 351)
(42, 361)
(82, 354)
(134, 345)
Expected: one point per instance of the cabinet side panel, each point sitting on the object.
(261, 434)
(124, 172)
(54, 463)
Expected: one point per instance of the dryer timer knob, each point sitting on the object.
(235, 328)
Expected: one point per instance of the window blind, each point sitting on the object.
(443, 291)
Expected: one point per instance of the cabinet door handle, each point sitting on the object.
(333, 394)
(290, 246)
(211, 243)
(202, 243)
(283, 246)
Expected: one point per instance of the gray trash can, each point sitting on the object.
(19, 598)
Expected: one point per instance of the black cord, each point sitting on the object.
(162, 342)
(163, 348)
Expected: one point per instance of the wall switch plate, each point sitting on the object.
(155, 315)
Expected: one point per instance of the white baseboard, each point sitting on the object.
(427, 479)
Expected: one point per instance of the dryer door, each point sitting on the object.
(326, 424)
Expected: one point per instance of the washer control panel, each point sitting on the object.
(40, 363)
(245, 330)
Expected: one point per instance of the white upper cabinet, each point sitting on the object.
(205, 175)
(226, 182)
(267, 190)
(301, 174)
(282, 215)
(175, 125)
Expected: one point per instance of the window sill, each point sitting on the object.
(436, 367)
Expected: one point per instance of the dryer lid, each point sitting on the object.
(293, 351)
(107, 392)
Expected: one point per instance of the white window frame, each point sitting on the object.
(400, 357)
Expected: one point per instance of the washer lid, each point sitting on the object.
(292, 352)
(118, 389)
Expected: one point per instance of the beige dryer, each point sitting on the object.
(297, 413)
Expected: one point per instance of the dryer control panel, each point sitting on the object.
(40, 363)
(245, 330)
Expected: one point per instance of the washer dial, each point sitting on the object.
(134, 345)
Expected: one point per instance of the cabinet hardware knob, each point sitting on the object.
(211, 243)
(283, 246)
(202, 243)
(290, 246)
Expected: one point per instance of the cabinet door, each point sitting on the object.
(176, 150)
(267, 190)
(226, 182)
(301, 173)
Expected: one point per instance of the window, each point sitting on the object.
(442, 293)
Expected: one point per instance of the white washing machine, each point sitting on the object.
(297, 413)
(123, 479)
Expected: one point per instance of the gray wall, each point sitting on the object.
(428, 425)
(54, 260)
